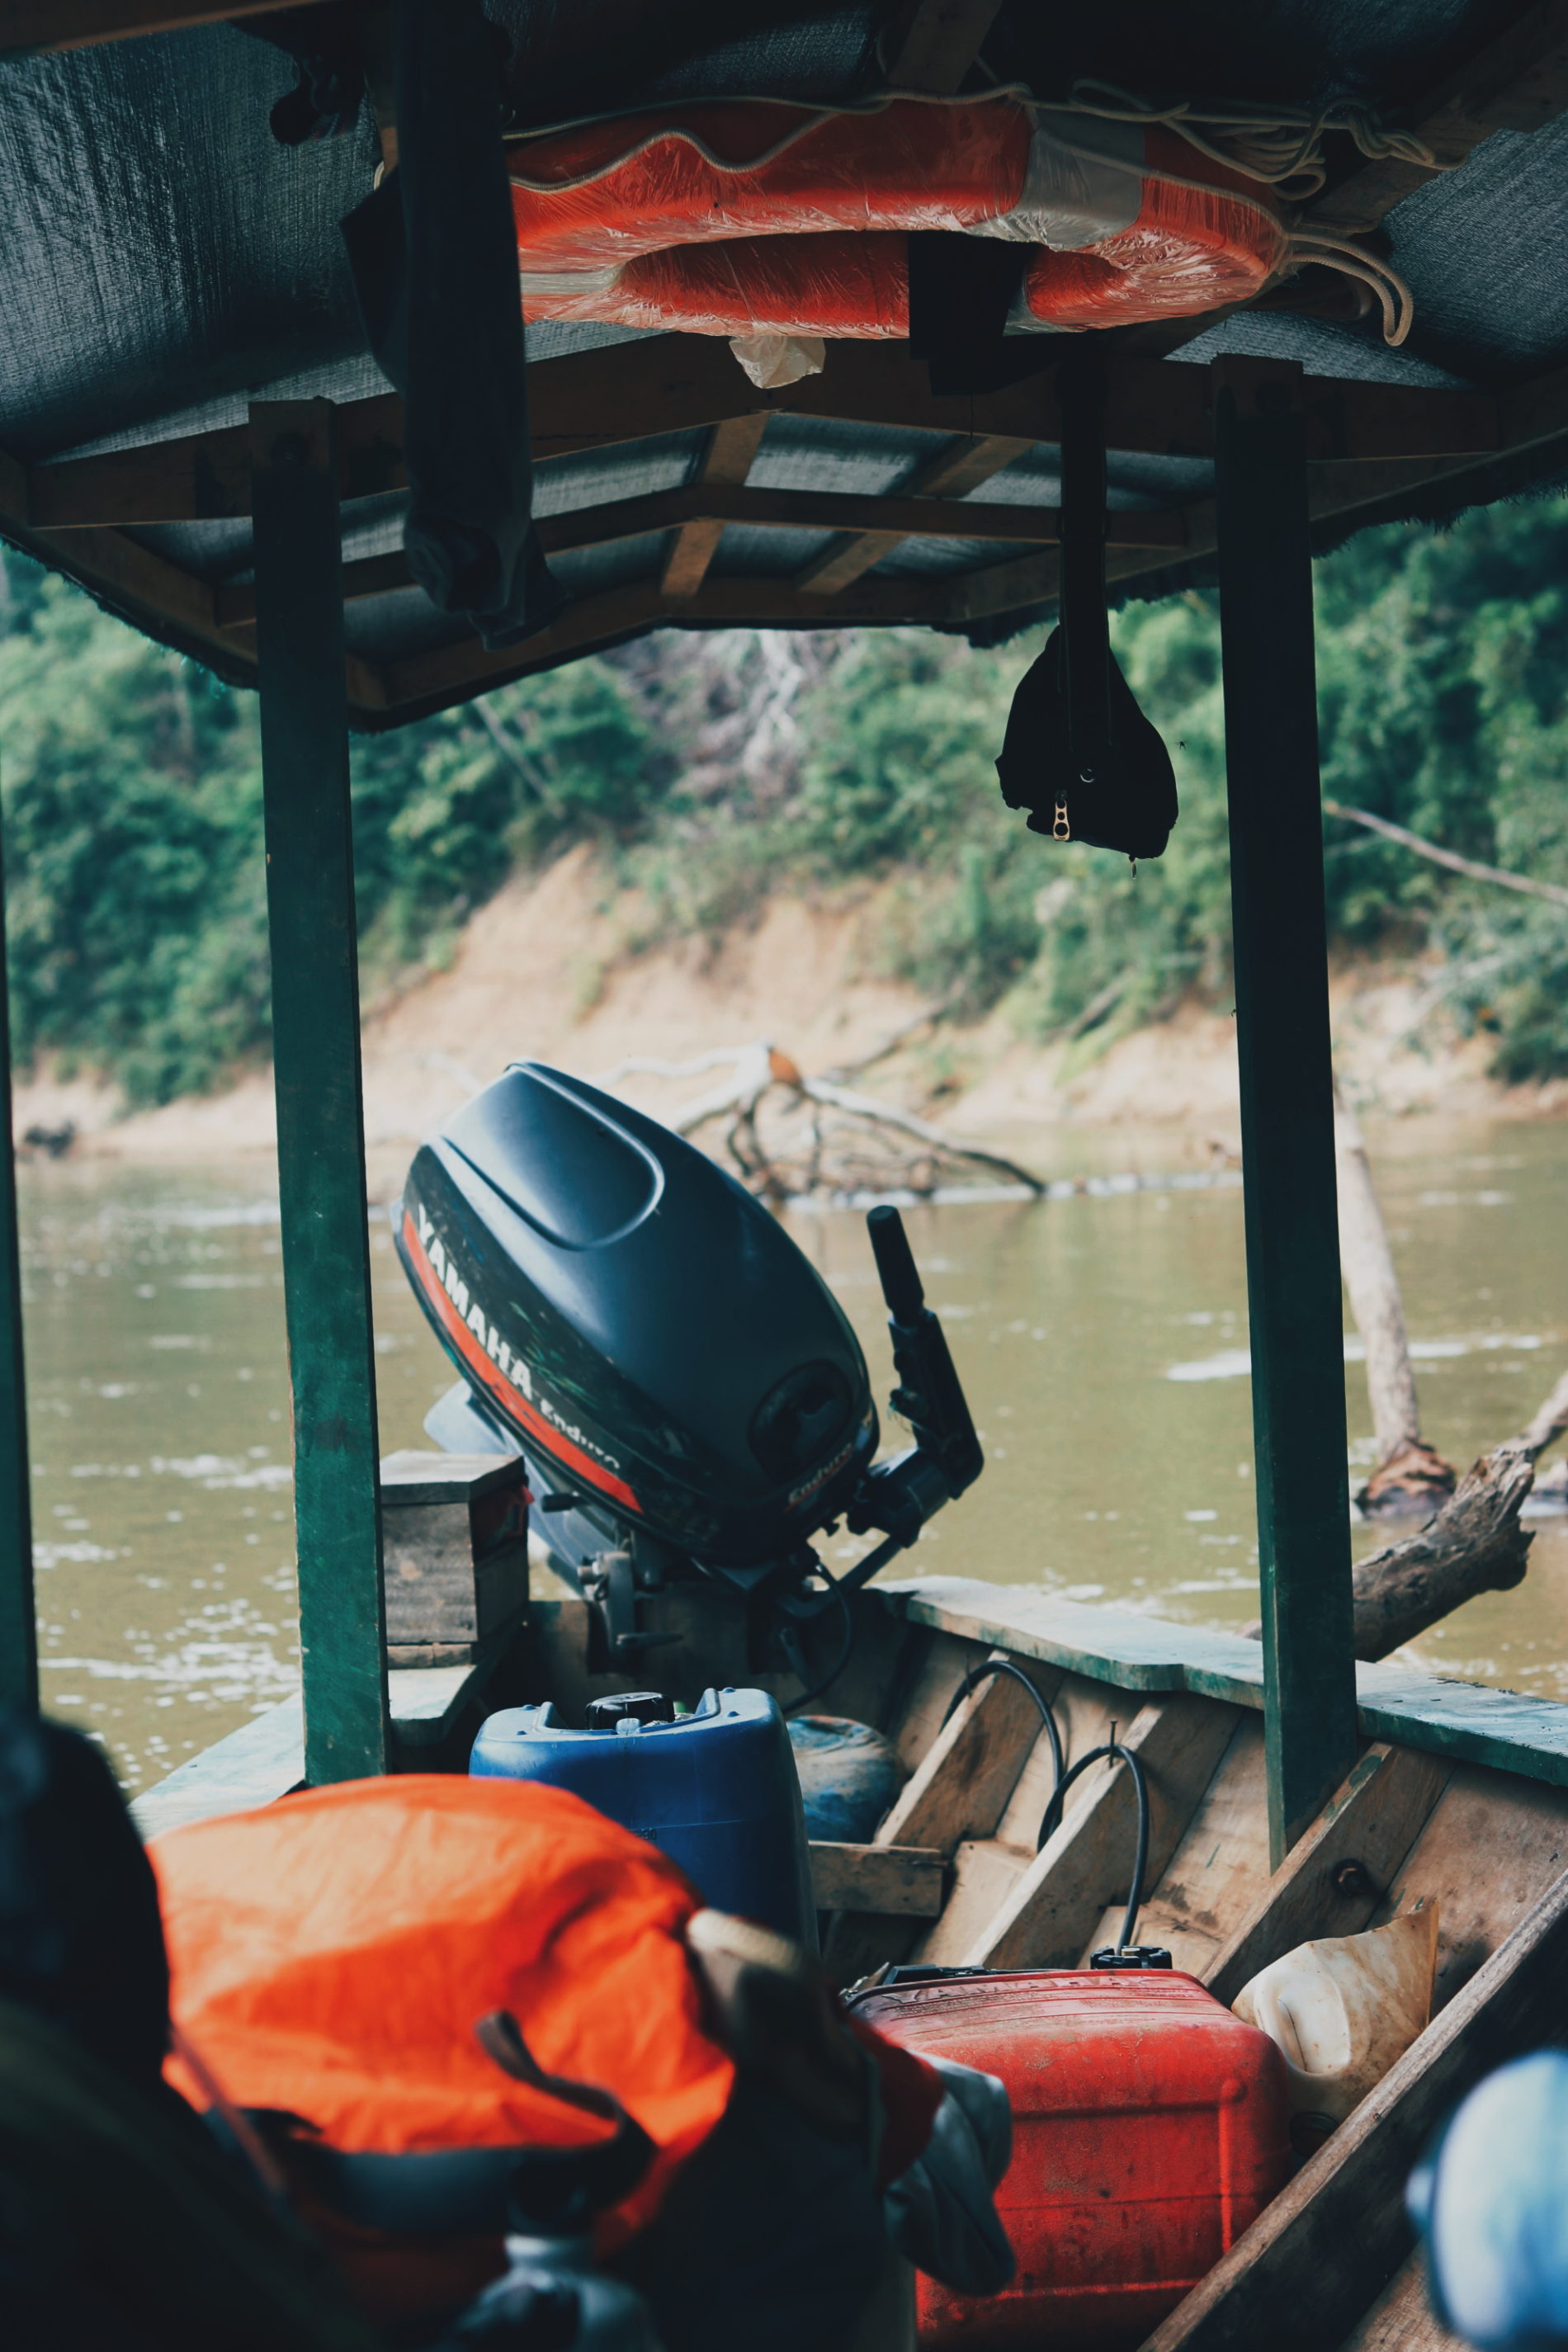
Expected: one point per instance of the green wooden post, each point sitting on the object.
(1286, 1089)
(316, 1057)
(18, 1616)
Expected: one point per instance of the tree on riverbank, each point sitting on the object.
(715, 769)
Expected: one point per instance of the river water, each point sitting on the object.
(1102, 1340)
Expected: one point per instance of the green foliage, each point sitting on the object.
(136, 933)
(713, 770)
(135, 881)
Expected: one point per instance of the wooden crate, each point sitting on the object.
(455, 1549)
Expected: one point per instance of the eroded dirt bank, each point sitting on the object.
(546, 968)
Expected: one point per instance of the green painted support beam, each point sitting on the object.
(316, 1057)
(1286, 1088)
(18, 1616)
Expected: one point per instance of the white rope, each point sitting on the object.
(816, 115)
(1396, 300)
(1281, 145)
(1307, 245)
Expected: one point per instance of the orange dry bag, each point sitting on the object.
(331, 1956)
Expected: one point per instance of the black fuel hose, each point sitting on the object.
(1118, 1754)
(982, 1674)
(791, 1644)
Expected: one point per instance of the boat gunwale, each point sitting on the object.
(1473, 1722)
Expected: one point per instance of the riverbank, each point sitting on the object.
(556, 966)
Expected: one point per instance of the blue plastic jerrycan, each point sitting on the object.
(716, 1790)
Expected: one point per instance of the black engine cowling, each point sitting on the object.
(647, 1331)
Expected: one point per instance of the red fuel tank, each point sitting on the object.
(1149, 2129)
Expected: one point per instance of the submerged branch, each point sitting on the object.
(1474, 1545)
(1549, 1421)
(1410, 1475)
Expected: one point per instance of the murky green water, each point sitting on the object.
(1103, 1341)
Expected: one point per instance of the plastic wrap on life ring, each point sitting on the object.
(1190, 249)
(834, 283)
(704, 175)
(747, 217)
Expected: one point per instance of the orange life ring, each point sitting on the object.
(749, 216)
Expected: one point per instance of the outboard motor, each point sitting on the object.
(687, 1393)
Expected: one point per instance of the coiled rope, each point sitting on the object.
(1280, 144)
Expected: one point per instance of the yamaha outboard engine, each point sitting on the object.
(687, 1391)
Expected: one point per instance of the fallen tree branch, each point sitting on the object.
(1410, 1475)
(862, 1107)
(1469, 867)
(1474, 1545)
(754, 1070)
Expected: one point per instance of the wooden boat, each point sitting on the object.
(1459, 1798)
(143, 469)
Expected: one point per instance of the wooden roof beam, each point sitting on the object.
(1517, 82)
(633, 392)
(1335, 489)
(929, 44)
(45, 25)
(709, 508)
(136, 581)
(615, 613)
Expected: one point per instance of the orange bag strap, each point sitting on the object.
(477, 2191)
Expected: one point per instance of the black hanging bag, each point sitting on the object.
(1079, 754)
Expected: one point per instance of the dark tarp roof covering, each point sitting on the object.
(167, 260)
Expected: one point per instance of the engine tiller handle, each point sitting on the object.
(929, 1394)
(896, 1264)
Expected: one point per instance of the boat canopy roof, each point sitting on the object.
(167, 260)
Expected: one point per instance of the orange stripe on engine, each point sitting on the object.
(492, 1378)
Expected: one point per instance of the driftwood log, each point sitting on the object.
(1411, 1476)
(1474, 1545)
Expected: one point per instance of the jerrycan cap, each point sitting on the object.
(629, 1706)
(1130, 1955)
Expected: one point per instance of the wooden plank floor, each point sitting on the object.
(1401, 2319)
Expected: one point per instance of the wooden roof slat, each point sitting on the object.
(727, 460)
(899, 515)
(960, 468)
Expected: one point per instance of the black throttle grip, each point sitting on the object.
(895, 1264)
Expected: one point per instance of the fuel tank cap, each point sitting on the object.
(629, 1706)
